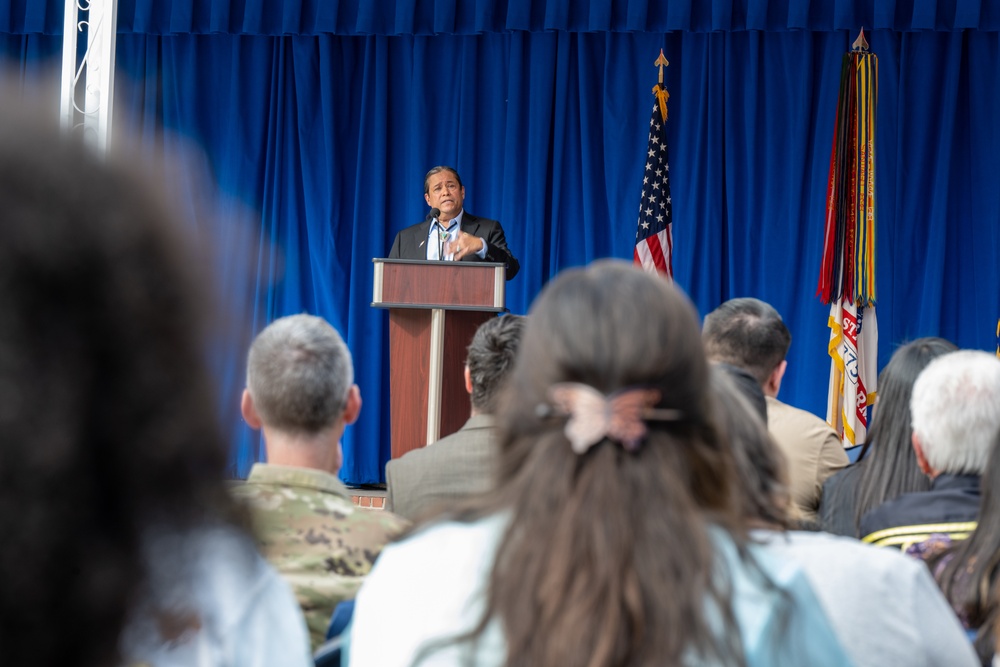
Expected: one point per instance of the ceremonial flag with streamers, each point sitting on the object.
(847, 275)
(654, 241)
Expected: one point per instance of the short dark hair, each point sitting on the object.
(491, 356)
(748, 333)
(437, 170)
(299, 372)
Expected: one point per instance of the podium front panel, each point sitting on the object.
(450, 285)
(435, 309)
(409, 377)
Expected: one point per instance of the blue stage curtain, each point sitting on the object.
(29, 58)
(471, 17)
(323, 140)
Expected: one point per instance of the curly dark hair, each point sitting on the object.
(491, 357)
(108, 428)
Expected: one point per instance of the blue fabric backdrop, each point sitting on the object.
(318, 119)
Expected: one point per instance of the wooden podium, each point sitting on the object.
(434, 310)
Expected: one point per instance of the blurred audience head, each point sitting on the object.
(750, 334)
(889, 466)
(491, 357)
(108, 429)
(955, 412)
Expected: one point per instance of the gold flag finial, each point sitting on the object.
(860, 44)
(659, 89)
(662, 62)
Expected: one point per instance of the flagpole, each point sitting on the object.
(654, 231)
(659, 89)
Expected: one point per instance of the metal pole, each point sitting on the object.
(97, 69)
(68, 80)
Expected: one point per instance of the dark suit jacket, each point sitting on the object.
(411, 243)
(454, 467)
(951, 506)
(838, 503)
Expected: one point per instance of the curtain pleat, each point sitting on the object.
(924, 15)
(472, 17)
(967, 14)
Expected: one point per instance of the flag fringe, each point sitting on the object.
(848, 261)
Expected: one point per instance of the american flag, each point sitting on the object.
(654, 241)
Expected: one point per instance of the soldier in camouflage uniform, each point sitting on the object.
(300, 392)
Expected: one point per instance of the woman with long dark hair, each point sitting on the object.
(887, 467)
(612, 536)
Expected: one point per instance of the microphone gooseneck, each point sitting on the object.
(434, 214)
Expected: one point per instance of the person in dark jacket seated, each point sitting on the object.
(888, 466)
(968, 571)
(956, 412)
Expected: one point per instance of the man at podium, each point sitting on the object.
(451, 233)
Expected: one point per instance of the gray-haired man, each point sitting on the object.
(301, 393)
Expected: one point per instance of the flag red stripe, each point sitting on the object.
(656, 250)
(650, 256)
(670, 249)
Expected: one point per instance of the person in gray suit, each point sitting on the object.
(464, 462)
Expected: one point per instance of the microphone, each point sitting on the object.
(435, 213)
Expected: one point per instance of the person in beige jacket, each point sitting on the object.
(750, 334)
